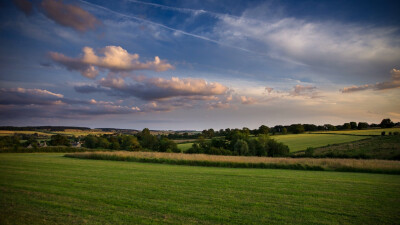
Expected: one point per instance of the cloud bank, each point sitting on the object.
(393, 83)
(156, 88)
(39, 103)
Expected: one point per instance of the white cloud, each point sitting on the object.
(327, 48)
(115, 59)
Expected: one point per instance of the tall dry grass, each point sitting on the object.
(355, 165)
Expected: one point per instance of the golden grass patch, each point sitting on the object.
(362, 165)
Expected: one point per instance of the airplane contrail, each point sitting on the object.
(185, 10)
(170, 28)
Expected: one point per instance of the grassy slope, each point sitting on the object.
(298, 142)
(185, 146)
(48, 189)
(379, 147)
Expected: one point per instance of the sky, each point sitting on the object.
(193, 65)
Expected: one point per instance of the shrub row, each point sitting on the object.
(295, 166)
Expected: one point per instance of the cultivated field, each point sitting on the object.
(362, 132)
(10, 133)
(71, 132)
(299, 142)
(49, 189)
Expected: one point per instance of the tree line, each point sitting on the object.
(299, 128)
(239, 142)
(141, 141)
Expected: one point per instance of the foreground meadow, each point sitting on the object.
(45, 188)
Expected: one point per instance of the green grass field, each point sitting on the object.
(185, 146)
(49, 189)
(299, 142)
(376, 147)
(363, 132)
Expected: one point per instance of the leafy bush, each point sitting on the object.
(241, 147)
(309, 152)
(277, 149)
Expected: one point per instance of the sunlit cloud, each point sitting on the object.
(157, 88)
(392, 84)
(247, 100)
(115, 59)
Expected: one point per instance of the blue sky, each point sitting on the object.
(198, 64)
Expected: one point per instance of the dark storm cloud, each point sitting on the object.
(25, 6)
(69, 15)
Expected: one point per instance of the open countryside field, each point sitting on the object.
(11, 132)
(185, 146)
(49, 189)
(376, 147)
(362, 132)
(299, 142)
(71, 132)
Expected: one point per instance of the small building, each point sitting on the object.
(76, 144)
(43, 144)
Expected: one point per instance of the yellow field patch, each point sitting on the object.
(11, 133)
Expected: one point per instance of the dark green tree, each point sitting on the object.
(263, 129)
(296, 128)
(147, 140)
(166, 145)
(90, 141)
(346, 126)
(129, 142)
(57, 140)
(362, 125)
(387, 123)
(241, 147)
